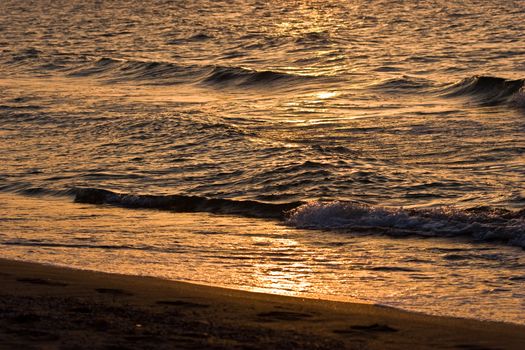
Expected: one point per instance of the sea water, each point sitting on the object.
(369, 150)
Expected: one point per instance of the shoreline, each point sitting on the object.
(58, 307)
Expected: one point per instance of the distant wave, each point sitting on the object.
(405, 84)
(111, 69)
(122, 70)
(193, 38)
(172, 73)
(486, 224)
(248, 77)
(489, 91)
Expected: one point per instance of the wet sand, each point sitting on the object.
(46, 307)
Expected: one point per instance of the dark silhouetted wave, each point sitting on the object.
(182, 203)
(487, 90)
(124, 70)
(248, 77)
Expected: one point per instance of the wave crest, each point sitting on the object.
(488, 90)
(487, 224)
(166, 73)
(405, 84)
(122, 70)
(247, 77)
(183, 203)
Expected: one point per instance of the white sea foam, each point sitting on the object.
(486, 225)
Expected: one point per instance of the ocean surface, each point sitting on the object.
(348, 150)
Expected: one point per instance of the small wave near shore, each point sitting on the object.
(480, 223)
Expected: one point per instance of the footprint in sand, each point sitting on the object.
(284, 316)
(472, 347)
(181, 303)
(42, 281)
(26, 318)
(113, 291)
(35, 335)
(373, 328)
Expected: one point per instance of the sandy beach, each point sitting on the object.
(47, 307)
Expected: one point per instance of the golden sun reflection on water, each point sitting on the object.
(326, 95)
(280, 275)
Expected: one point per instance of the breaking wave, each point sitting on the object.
(483, 223)
(480, 223)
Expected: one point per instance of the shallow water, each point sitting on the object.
(373, 121)
(436, 276)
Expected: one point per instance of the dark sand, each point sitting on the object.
(44, 307)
